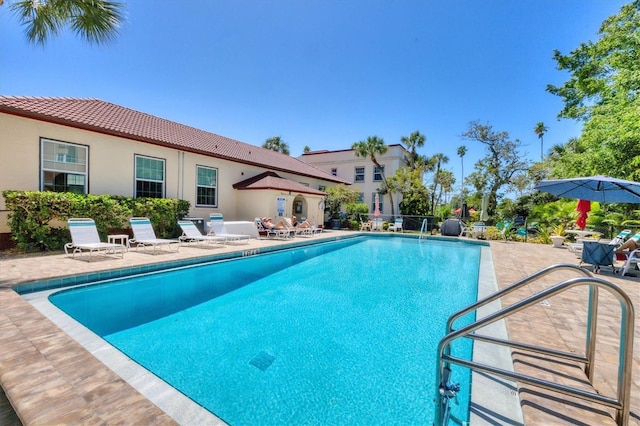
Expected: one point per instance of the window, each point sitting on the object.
(207, 186)
(334, 172)
(149, 177)
(360, 197)
(321, 188)
(377, 173)
(380, 202)
(63, 166)
(359, 174)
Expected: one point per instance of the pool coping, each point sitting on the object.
(502, 403)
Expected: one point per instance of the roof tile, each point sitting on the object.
(105, 117)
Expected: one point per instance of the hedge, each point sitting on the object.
(34, 215)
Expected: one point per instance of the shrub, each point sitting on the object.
(36, 219)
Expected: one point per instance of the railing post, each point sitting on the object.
(590, 349)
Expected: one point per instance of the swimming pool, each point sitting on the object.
(341, 332)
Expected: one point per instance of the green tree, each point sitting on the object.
(540, 130)
(276, 144)
(371, 148)
(437, 160)
(604, 92)
(462, 151)
(415, 196)
(96, 21)
(501, 163)
(306, 148)
(337, 196)
(413, 141)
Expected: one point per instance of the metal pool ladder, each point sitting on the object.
(447, 389)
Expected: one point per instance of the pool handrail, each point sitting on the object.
(621, 403)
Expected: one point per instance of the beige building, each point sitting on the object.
(92, 146)
(362, 173)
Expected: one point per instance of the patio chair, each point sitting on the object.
(218, 229)
(597, 254)
(396, 225)
(144, 236)
(84, 237)
(191, 234)
(366, 226)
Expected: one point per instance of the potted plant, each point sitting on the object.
(557, 235)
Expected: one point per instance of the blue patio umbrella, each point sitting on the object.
(603, 189)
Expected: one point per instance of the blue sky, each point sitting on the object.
(324, 73)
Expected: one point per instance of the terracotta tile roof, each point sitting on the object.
(105, 117)
(270, 180)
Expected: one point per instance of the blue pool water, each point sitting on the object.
(336, 333)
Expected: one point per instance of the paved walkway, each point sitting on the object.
(50, 378)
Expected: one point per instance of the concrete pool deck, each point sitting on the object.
(51, 378)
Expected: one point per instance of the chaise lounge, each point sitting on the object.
(85, 237)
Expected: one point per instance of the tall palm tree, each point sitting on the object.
(96, 21)
(369, 149)
(462, 151)
(540, 130)
(276, 144)
(437, 159)
(413, 141)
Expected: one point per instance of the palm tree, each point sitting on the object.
(97, 21)
(369, 149)
(276, 144)
(462, 150)
(437, 159)
(412, 142)
(540, 130)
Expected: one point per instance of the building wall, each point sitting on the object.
(345, 161)
(111, 168)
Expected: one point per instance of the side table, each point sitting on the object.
(119, 239)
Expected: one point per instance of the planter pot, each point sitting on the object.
(335, 223)
(557, 241)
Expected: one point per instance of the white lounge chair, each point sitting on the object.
(303, 231)
(396, 225)
(272, 232)
(191, 234)
(630, 258)
(144, 236)
(218, 229)
(84, 237)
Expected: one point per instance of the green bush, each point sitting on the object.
(37, 218)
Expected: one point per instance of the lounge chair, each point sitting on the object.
(263, 231)
(630, 258)
(305, 231)
(396, 225)
(191, 234)
(84, 237)
(218, 229)
(144, 236)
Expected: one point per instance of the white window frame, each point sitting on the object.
(334, 171)
(378, 172)
(142, 179)
(359, 174)
(60, 163)
(214, 186)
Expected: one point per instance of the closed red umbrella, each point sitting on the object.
(376, 211)
(584, 207)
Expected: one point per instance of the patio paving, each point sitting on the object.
(50, 378)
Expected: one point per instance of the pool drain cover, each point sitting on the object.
(263, 360)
